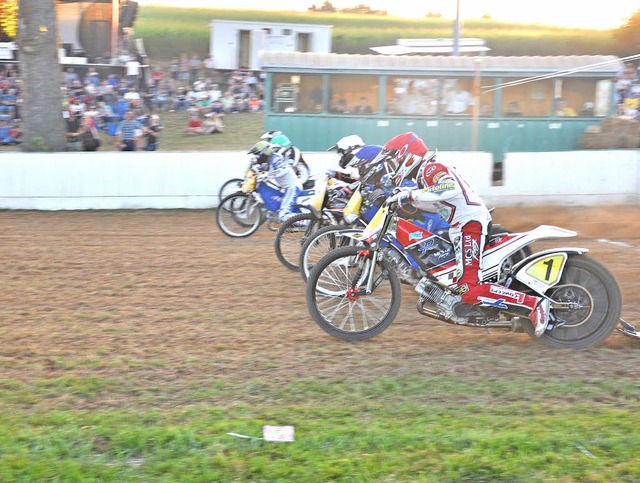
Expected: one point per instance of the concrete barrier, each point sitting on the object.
(170, 180)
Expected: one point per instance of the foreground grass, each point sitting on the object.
(392, 429)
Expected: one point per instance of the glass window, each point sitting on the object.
(296, 93)
(528, 99)
(582, 97)
(353, 94)
(457, 99)
(487, 97)
(412, 96)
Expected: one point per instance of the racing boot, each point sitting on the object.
(540, 317)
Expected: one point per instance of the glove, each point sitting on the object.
(331, 173)
(400, 198)
(261, 177)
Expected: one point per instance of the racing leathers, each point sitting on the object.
(469, 220)
(282, 173)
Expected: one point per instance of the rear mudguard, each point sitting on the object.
(542, 270)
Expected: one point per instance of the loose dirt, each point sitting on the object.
(163, 300)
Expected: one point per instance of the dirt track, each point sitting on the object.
(163, 299)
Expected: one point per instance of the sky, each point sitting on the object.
(605, 14)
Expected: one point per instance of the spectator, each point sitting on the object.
(194, 124)
(74, 142)
(89, 135)
(210, 66)
(254, 103)
(133, 71)
(363, 106)
(458, 101)
(212, 124)
(183, 70)
(152, 133)
(9, 134)
(563, 109)
(215, 94)
(181, 103)
(129, 132)
(194, 69)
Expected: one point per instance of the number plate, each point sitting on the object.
(544, 272)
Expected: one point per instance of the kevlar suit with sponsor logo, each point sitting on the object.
(442, 188)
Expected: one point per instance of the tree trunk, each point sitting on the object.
(43, 126)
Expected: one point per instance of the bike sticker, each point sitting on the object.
(548, 269)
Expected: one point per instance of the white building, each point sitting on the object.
(235, 44)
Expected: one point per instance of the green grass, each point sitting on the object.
(171, 31)
(362, 429)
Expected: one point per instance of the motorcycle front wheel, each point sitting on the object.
(239, 215)
(596, 305)
(336, 299)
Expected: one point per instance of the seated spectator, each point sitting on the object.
(363, 107)
(181, 103)
(254, 103)
(212, 124)
(194, 124)
(563, 109)
(9, 134)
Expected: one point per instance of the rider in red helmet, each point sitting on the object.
(440, 186)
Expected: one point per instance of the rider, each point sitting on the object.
(440, 186)
(281, 173)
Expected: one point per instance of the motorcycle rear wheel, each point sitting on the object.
(239, 215)
(347, 316)
(589, 284)
(291, 236)
(320, 243)
(230, 187)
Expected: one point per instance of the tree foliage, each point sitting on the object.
(8, 19)
(628, 36)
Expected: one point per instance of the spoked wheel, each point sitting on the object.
(234, 185)
(595, 309)
(291, 236)
(239, 215)
(320, 243)
(336, 298)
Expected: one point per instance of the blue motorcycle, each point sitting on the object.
(240, 214)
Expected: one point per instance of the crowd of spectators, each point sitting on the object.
(628, 92)
(96, 106)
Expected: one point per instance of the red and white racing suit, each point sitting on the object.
(459, 205)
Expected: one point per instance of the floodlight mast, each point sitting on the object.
(456, 31)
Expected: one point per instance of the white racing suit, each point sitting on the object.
(281, 173)
(459, 205)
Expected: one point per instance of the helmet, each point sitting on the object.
(347, 143)
(270, 134)
(407, 150)
(345, 148)
(426, 172)
(261, 148)
(281, 140)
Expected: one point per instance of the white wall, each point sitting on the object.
(166, 180)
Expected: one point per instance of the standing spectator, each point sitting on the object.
(133, 71)
(183, 67)
(194, 69)
(89, 134)
(129, 131)
(152, 133)
(74, 142)
(174, 69)
(210, 66)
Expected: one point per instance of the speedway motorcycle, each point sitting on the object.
(240, 214)
(354, 292)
